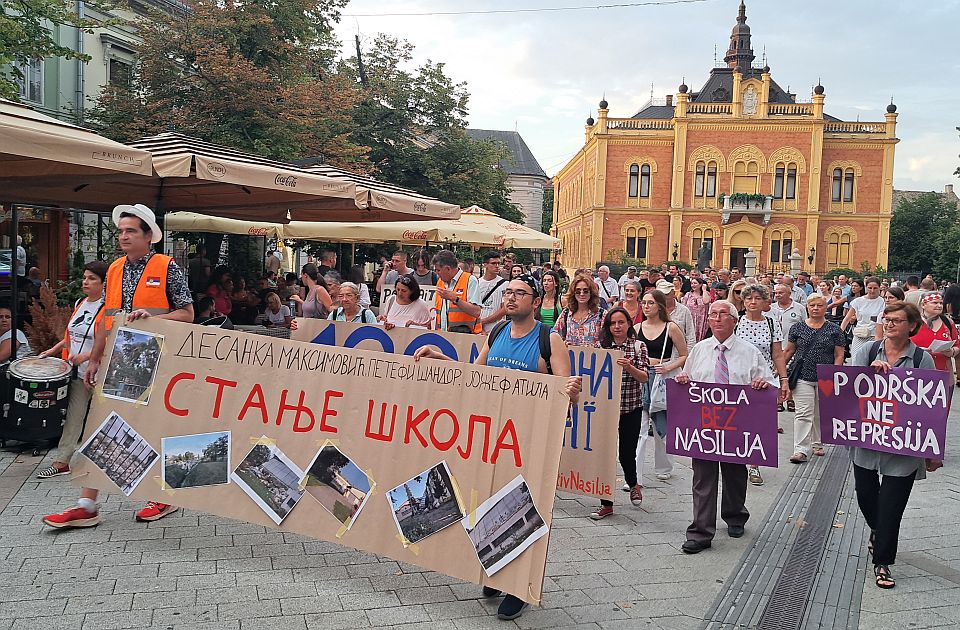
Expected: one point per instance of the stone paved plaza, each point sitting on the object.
(193, 570)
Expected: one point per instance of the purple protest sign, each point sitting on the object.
(903, 411)
(722, 423)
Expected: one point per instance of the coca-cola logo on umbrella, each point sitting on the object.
(289, 181)
(257, 231)
(216, 169)
(413, 235)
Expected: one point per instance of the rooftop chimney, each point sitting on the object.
(670, 100)
(948, 189)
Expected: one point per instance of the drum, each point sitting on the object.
(38, 399)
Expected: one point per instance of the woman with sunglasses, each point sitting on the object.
(405, 308)
(579, 322)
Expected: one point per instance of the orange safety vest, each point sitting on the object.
(150, 294)
(455, 314)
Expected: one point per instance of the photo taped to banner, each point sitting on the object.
(120, 452)
(270, 479)
(425, 503)
(194, 461)
(337, 483)
(132, 366)
(504, 526)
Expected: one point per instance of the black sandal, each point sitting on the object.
(884, 578)
(872, 542)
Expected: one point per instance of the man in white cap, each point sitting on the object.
(142, 283)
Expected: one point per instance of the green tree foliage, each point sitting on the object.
(259, 454)
(414, 121)
(216, 450)
(252, 75)
(929, 220)
(25, 35)
(546, 221)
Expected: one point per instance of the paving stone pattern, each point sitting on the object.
(194, 570)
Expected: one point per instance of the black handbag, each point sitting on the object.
(793, 375)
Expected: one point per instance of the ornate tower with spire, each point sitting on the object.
(740, 52)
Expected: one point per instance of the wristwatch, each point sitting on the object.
(456, 300)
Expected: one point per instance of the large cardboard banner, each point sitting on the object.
(903, 411)
(589, 462)
(722, 423)
(447, 466)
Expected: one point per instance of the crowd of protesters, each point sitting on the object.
(766, 331)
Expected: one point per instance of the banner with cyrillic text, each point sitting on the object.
(903, 411)
(589, 462)
(722, 423)
(445, 465)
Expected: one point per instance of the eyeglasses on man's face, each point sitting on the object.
(519, 294)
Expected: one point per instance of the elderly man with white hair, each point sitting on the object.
(608, 287)
(723, 358)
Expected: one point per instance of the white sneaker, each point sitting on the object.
(625, 488)
(664, 476)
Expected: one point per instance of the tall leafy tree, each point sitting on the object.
(27, 33)
(256, 75)
(546, 220)
(414, 121)
(928, 219)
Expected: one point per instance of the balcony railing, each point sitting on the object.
(764, 208)
(855, 127)
(790, 109)
(639, 123)
(710, 108)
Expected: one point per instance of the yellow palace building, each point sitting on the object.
(739, 165)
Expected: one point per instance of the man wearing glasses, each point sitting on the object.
(492, 286)
(517, 345)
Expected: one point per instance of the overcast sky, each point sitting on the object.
(543, 73)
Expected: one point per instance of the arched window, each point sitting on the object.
(712, 179)
(705, 181)
(839, 249)
(636, 244)
(746, 178)
(699, 237)
(698, 186)
(781, 246)
(785, 181)
(848, 185)
(634, 180)
(837, 183)
(645, 181)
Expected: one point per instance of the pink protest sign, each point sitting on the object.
(903, 411)
(724, 423)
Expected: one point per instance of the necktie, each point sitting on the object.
(721, 373)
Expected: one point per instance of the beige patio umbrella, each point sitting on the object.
(37, 150)
(475, 226)
(196, 222)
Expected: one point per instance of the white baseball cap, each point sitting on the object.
(143, 212)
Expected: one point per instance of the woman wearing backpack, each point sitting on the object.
(617, 333)
(579, 322)
(350, 309)
(883, 500)
(937, 330)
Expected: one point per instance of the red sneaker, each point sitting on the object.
(154, 511)
(73, 517)
(601, 512)
(636, 494)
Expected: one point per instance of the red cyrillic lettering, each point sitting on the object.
(444, 446)
(182, 376)
(474, 420)
(256, 392)
(509, 431)
(328, 412)
(383, 437)
(300, 408)
(220, 383)
(413, 423)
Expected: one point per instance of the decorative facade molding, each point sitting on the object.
(844, 165)
(785, 228)
(787, 155)
(722, 126)
(747, 153)
(640, 161)
(840, 230)
(703, 225)
(642, 142)
(707, 153)
(637, 225)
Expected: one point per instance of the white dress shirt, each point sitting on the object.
(744, 361)
(683, 318)
(609, 290)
